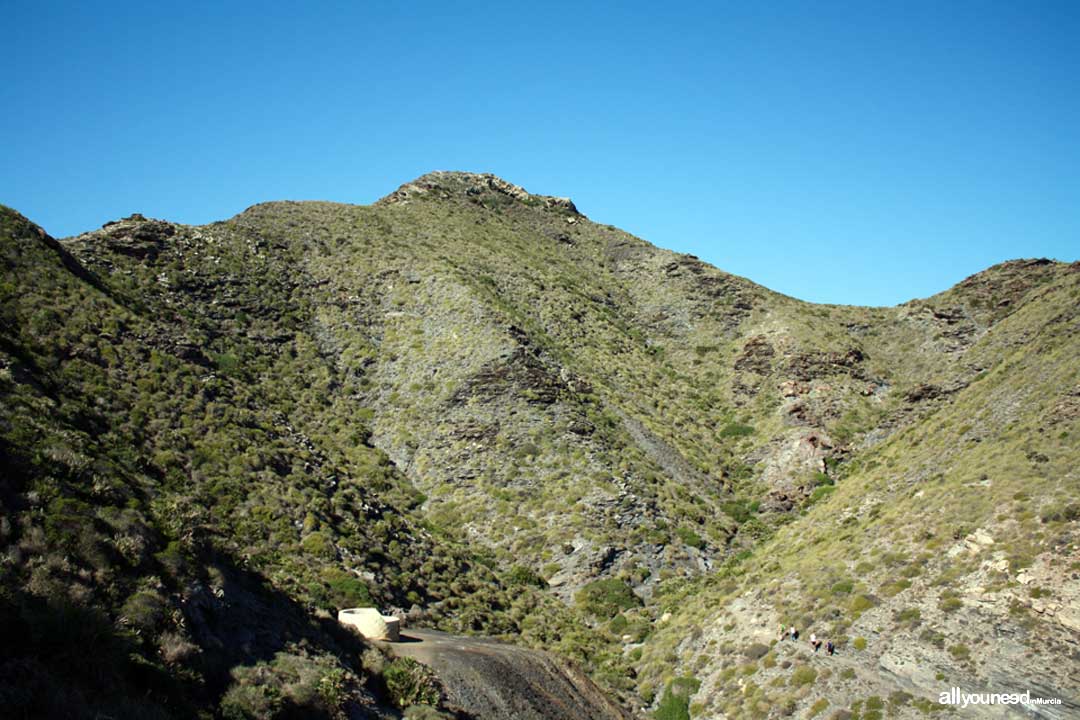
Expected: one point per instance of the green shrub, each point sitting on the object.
(819, 493)
(171, 558)
(144, 610)
(960, 651)
(288, 686)
(933, 637)
(675, 702)
(248, 702)
(426, 712)
(911, 616)
(912, 570)
(410, 683)
(521, 575)
(527, 450)
(950, 604)
(1069, 513)
(738, 510)
(899, 698)
(756, 651)
(861, 603)
(345, 589)
(844, 587)
(859, 643)
(227, 364)
(895, 588)
(734, 430)
(689, 537)
(605, 598)
(69, 523)
(803, 675)
(319, 545)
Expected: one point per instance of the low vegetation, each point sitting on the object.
(485, 410)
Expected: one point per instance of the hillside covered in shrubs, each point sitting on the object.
(476, 406)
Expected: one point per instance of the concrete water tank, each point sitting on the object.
(372, 624)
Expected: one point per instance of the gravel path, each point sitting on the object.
(497, 681)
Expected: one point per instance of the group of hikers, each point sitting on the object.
(815, 641)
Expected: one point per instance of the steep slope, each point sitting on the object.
(180, 499)
(476, 404)
(946, 553)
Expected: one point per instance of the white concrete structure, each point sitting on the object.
(372, 624)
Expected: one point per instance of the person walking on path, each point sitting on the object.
(813, 641)
(831, 648)
(783, 631)
(794, 633)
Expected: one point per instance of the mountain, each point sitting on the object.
(476, 405)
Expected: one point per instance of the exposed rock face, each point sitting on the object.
(756, 357)
(522, 371)
(1067, 408)
(923, 392)
(808, 366)
(788, 470)
(138, 237)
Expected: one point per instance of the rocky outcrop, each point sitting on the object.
(474, 186)
(810, 365)
(789, 464)
(136, 236)
(522, 372)
(756, 356)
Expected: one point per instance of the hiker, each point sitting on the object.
(830, 648)
(783, 631)
(813, 639)
(794, 633)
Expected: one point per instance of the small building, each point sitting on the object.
(371, 623)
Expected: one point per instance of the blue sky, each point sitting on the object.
(859, 153)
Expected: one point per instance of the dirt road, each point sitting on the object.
(497, 681)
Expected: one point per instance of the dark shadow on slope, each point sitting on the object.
(59, 659)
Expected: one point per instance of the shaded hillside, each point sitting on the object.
(475, 404)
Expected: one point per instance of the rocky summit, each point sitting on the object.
(475, 408)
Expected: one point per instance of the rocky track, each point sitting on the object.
(496, 681)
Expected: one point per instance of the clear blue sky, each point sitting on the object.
(861, 153)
